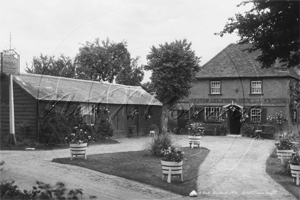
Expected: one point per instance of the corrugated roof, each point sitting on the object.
(43, 87)
(234, 62)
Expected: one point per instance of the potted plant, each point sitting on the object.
(284, 149)
(195, 130)
(152, 130)
(171, 162)
(295, 167)
(79, 140)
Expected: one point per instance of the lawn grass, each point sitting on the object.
(278, 174)
(142, 167)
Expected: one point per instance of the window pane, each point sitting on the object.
(256, 87)
(212, 114)
(256, 115)
(215, 87)
(88, 114)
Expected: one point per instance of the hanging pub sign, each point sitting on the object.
(10, 62)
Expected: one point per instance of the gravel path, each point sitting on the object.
(234, 169)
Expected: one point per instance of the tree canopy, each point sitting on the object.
(272, 27)
(98, 61)
(49, 65)
(102, 61)
(174, 66)
(132, 74)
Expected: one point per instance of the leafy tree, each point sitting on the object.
(102, 61)
(148, 87)
(174, 66)
(271, 26)
(132, 74)
(62, 66)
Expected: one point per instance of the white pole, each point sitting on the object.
(11, 109)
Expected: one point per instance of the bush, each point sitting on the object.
(55, 126)
(102, 130)
(221, 130)
(42, 191)
(159, 143)
(247, 129)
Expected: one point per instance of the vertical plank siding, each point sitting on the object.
(30, 110)
(25, 111)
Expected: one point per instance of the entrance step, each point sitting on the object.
(234, 135)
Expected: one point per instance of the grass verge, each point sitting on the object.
(144, 168)
(278, 174)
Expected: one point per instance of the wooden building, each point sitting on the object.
(35, 95)
(235, 82)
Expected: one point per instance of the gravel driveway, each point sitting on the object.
(234, 169)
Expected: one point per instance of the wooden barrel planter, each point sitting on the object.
(78, 150)
(152, 133)
(170, 169)
(194, 140)
(295, 171)
(284, 154)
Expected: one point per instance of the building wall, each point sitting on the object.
(275, 97)
(118, 116)
(24, 107)
(240, 88)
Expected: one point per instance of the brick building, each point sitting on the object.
(232, 82)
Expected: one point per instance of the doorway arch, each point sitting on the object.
(234, 114)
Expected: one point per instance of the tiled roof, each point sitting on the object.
(233, 62)
(43, 87)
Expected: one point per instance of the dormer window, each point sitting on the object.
(256, 87)
(215, 87)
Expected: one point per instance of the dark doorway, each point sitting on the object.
(234, 122)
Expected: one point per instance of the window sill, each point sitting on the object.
(214, 94)
(256, 94)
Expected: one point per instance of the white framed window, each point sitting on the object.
(212, 114)
(215, 87)
(255, 115)
(88, 113)
(256, 87)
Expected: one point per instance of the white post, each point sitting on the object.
(11, 109)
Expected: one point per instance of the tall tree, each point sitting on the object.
(272, 27)
(148, 87)
(61, 66)
(102, 61)
(174, 66)
(132, 74)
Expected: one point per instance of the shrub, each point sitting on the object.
(55, 126)
(247, 129)
(102, 130)
(221, 130)
(159, 143)
(42, 191)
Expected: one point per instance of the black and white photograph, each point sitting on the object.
(149, 100)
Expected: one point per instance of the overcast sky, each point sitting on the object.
(54, 27)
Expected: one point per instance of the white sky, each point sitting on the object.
(54, 27)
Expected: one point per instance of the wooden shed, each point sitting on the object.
(35, 95)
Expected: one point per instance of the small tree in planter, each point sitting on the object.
(195, 131)
(284, 148)
(295, 167)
